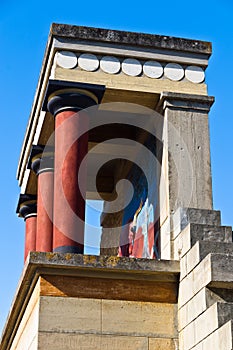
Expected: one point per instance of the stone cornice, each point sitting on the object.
(130, 38)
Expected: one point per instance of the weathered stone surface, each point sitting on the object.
(215, 271)
(193, 233)
(70, 315)
(219, 339)
(196, 306)
(130, 38)
(199, 251)
(222, 267)
(208, 322)
(113, 263)
(139, 318)
(163, 344)
(187, 166)
(61, 341)
(184, 216)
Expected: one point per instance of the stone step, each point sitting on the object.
(215, 271)
(193, 233)
(184, 216)
(199, 251)
(196, 306)
(206, 324)
(221, 339)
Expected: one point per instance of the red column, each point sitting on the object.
(70, 149)
(27, 209)
(44, 232)
(42, 165)
(30, 235)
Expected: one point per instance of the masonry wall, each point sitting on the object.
(79, 323)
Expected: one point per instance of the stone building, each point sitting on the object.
(122, 118)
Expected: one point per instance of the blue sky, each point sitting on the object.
(24, 28)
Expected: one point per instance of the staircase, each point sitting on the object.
(205, 304)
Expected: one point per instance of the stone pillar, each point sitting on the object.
(27, 209)
(186, 167)
(70, 149)
(42, 165)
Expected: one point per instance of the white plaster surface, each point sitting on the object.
(110, 64)
(66, 59)
(88, 62)
(174, 71)
(195, 74)
(153, 69)
(132, 67)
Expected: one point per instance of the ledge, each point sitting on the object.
(130, 38)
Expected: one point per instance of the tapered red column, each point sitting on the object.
(42, 165)
(28, 210)
(71, 146)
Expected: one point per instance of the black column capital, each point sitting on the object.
(27, 206)
(65, 95)
(41, 159)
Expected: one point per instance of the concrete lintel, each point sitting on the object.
(185, 101)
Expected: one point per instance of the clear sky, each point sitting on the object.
(24, 28)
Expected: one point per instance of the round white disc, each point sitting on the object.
(110, 64)
(153, 69)
(195, 74)
(66, 59)
(174, 71)
(88, 62)
(131, 66)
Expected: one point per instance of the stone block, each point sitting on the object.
(219, 339)
(208, 322)
(197, 279)
(69, 341)
(192, 309)
(196, 306)
(200, 250)
(222, 267)
(70, 315)
(197, 232)
(187, 338)
(184, 216)
(192, 258)
(214, 271)
(139, 318)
